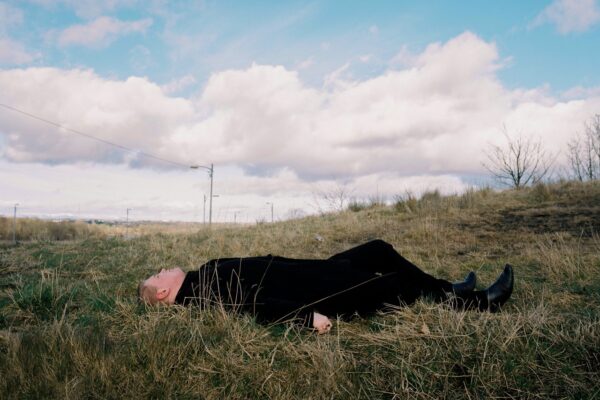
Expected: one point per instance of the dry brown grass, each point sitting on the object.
(44, 230)
(70, 326)
(35, 229)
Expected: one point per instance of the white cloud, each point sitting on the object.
(9, 16)
(14, 53)
(88, 8)
(101, 31)
(338, 76)
(140, 58)
(570, 15)
(178, 84)
(580, 92)
(404, 58)
(87, 190)
(432, 118)
(271, 136)
(307, 63)
(133, 112)
(373, 29)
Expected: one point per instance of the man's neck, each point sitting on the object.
(175, 288)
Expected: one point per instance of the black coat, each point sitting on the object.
(275, 289)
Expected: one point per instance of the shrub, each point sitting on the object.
(406, 203)
(540, 193)
(356, 206)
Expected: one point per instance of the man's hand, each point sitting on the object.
(321, 323)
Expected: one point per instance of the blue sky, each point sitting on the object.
(233, 34)
(288, 99)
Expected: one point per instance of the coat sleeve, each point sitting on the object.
(276, 310)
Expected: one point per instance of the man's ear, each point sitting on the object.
(162, 294)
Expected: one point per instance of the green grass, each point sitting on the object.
(70, 326)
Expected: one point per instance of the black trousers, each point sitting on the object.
(396, 281)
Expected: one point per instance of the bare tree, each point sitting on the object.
(584, 152)
(296, 213)
(334, 198)
(521, 162)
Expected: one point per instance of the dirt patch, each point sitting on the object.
(580, 221)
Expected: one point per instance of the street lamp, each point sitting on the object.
(204, 211)
(15, 224)
(211, 171)
(271, 203)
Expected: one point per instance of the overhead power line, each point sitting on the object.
(87, 135)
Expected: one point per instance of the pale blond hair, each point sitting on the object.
(147, 293)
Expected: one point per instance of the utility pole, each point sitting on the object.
(271, 203)
(127, 223)
(235, 213)
(204, 211)
(15, 224)
(211, 172)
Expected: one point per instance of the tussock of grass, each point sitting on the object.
(70, 326)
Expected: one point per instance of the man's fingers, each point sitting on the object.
(324, 328)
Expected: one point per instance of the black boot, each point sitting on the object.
(499, 292)
(490, 299)
(465, 287)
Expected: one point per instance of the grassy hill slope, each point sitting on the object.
(70, 326)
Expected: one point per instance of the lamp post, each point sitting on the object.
(211, 171)
(271, 203)
(15, 224)
(204, 211)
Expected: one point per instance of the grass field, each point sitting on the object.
(70, 326)
(28, 229)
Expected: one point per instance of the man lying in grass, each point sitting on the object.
(361, 280)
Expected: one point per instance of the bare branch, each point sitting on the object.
(584, 152)
(521, 162)
(333, 199)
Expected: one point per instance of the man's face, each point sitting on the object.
(166, 278)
